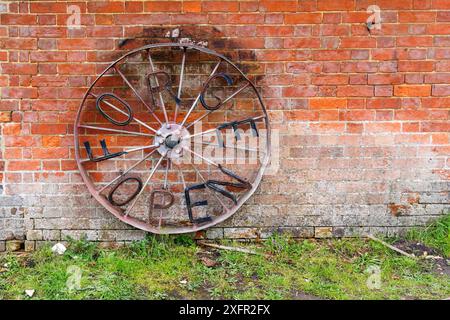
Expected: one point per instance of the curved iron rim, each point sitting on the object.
(140, 224)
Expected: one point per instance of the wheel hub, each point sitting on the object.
(171, 140)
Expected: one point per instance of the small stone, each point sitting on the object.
(13, 245)
(208, 262)
(323, 232)
(30, 292)
(30, 246)
(183, 282)
(59, 248)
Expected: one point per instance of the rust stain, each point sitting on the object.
(414, 199)
(397, 209)
(199, 235)
(207, 36)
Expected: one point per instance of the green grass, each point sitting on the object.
(171, 268)
(436, 235)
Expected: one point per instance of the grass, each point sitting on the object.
(172, 268)
(436, 235)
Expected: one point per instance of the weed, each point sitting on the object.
(167, 267)
(435, 235)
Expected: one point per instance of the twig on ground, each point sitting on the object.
(391, 247)
(243, 250)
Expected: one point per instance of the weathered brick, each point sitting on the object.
(362, 116)
(323, 232)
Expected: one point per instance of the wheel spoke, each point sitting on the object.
(130, 207)
(166, 175)
(126, 171)
(143, 148)
(198, 97)
(214, 129)
(122, 112)
(161, 100)
(127, 151)
(201, 157)
(235, 93)
(133, 133)
(233, 147)
(180, 84)
(137, 94)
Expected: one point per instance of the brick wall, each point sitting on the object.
(363, 115)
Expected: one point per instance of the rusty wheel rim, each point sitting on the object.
(168, 127)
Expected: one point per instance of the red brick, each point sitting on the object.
(292, 43)
(19, 93)
(190, 18)
(302, 18)
(416, 16)
(441, 126)
(5, 116)
(384, 103)
(440, 4)
(51, 141)
(245, 18)
(442, 90)
(48, 56)
(105, 6)
(104, 19)
(85, 44)
(412, 90)
(328, 115)
(411, 114)
(327, 127)
(415, 41)
(393, 4)
(192, 6)
(440, 138)
(382, 127)
(48, 7)
(385, 78)
(162, 6)
(12, 129)
(17, 19)
(355, 91)
(331, 55)
(435, 102)
(327, 103)
(275, 31)
(22, 44)
(50, 153)
(330, 79)
(415, 66)
(357, 115)
(358, 42)
(326, 5)
(302, 115)
(105, 31)
(23, 165)
(248, 6)
(77, 69)
(51, 165)
(220, 6)
(278, 6)
(134, 6)
(48, 129)
(299, 91)
(19, 68)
